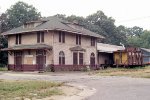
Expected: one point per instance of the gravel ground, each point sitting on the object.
(107, 87)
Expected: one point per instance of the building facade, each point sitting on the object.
(51, 42)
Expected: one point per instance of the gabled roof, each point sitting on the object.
(77, 48)
(52, 23)
(108, 48)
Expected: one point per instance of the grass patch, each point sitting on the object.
(3, 69)
(140, 72)
(28, 89)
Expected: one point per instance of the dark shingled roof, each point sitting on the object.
(27, 47)
(77, 48)
(53, 23)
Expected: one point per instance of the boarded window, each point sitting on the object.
(75, 58)
(80, 58)
(61, 58)
(92, 59)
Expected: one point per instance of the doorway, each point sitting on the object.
(40, 59)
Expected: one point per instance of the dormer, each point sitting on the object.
(32, 24)
(74, 25)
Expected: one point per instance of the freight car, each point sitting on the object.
(129, 57)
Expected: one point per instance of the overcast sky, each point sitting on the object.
(126, 12)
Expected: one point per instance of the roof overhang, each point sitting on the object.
(108, 48)
(77, 48)
(102, 51)
(27, 47)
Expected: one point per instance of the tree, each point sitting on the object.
(145, 39)
(3, 23)
(140, 41)
(3, 54)
(16, 16)
(100, 24)
(20, 13)
(61, 16)
(106, 27)
(135, 31)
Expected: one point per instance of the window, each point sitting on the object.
(29, 25)
(61, 58)
(92, 41)
(75, 58)
(78, 39)
(92, 59)
(18, 38)
(78, 58)
(40, 37)
(61, 37)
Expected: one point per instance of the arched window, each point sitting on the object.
(92, 59)
(61, 58)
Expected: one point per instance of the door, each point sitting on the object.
(40, 59)
(92, 59)
(18, 61)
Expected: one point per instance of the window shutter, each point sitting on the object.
(75, 58)
(81, 58)
(79, 39)
(63, 60)
(59, 36)
(59, 60)
(38, 37)
(16, 38)
(76, 38)
(19, 38)
(42, 36)
(92, 41)
(63, 37)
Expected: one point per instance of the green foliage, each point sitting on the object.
(138, 72)
(3, 68)
(3, 54)
(21, 13)
(100, 24)
(28, 89)
(143, 40)
(134, 31)
(14, 17)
